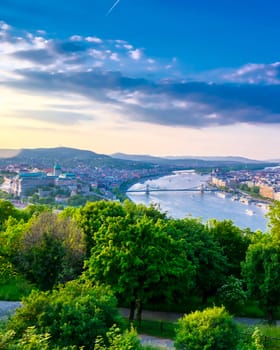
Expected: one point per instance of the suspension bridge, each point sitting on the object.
(201, 188)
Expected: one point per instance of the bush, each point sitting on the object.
(211, 329)
(119, 341)
(74, 315)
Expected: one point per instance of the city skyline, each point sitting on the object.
(159, 78)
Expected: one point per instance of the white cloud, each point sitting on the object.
(76, 38)
(255, 73)
(93, 39)
(114, 57)
(128, 46)
(4, 26)
(135, 54)
(99, 54)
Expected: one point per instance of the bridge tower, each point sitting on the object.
(201, 188)
(147, 189)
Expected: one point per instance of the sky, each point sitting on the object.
(159, 77)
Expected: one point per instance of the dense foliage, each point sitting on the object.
(211, 329)
(46, 250)
(145, 257)
(74, 314)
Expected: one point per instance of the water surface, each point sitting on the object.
(205, 206)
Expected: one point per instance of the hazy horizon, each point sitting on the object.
(11, 152)
(159, 78)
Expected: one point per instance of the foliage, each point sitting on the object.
(49, 250)
(3, 194)
(261, 271)
(7, 209)
(74, 314)
(12, 285)
(116, 340)
(94, 215)
(211, 329)
(252, 190)
(232, 295)
(252, 339)
(29, 341)
(232, 240)
(157, 328)
(274, 220)
(138, 258)
(205, 254)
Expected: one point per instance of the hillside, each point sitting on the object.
(67, 157)
(72, 157)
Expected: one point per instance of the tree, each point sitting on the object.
(49, 250)
(72, 315)
(205, 254)
(232, 240)
(94, 215)
(211, 329)
(139, 260)
(139, 210)
(274, 219)
(261, 271)
(7, 209)
(232, 295)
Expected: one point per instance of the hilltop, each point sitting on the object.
(71, 157)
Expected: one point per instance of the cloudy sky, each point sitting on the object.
(161, 77)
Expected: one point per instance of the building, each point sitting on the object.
(24, 183)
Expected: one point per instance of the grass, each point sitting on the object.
(14, 288)
(161, 329)
(251, 309)
(153, 347)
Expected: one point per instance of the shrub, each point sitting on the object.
(72, 315)
(116, 340)
(211, 329)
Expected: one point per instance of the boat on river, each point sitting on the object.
(221, 194)
(250, 212)
(244, 200)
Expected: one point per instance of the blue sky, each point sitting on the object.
(158, 77)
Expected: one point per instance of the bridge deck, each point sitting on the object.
(173, 190)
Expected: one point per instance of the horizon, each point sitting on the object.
(13, 150)
(158, 78)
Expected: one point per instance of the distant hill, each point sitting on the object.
(65, 156)
(219, 158)
(186, 159)
(72, 157)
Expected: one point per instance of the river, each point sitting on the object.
(205, 205)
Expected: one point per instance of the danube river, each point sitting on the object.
(205, 206)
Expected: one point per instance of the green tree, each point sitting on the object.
(139, 260)
(94, 215)
(232, 295)
(211, 329)
(139, 210)
(261, 271)
(233, 241)
(50, 250)
(205, 254)
(72, 315)
(274, 220)
(7, 209)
